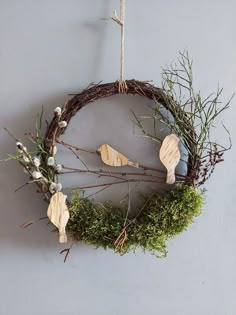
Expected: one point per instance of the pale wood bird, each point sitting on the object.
(112, 157)
(170, 156)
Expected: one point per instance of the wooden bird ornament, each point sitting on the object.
(170, 156)
(58, 214)
(112, 157)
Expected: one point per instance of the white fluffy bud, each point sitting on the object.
(25, 158)
(19, 146)
(58, 168)
(53, 188)
(62, 124)
(57, 111)
(36, 175)
(51, 161)
(36, 161)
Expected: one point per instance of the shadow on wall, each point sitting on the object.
(16, 208)
(26, 204)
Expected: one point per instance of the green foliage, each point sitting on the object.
(191, 116)
(162, 217)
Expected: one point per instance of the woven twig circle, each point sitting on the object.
(99, 91)
(161, 216)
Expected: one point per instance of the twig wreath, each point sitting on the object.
(189, 118)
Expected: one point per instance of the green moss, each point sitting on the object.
(162, 218)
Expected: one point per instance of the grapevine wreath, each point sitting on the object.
(188, 117)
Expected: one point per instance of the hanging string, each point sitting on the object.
(121, 22)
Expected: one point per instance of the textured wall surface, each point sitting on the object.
(50, 48)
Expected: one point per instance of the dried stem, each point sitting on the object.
(101, 172)
(76, 148)
(67, 251)
(28, 223)
(119, 242)
(131, 180)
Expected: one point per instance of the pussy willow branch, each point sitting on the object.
(25, 168)
(47, 198)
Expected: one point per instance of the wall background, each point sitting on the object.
(50, 48)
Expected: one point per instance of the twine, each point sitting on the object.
(121, 22)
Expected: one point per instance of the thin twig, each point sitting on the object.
(100, 172)
(67, 251)
(28, 223)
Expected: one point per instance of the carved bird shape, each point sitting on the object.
(170, 156)
(58, 214)
(112, 157)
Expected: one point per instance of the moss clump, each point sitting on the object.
(161, 218)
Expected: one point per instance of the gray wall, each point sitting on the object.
(50, 48)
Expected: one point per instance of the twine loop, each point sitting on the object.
(122, 86)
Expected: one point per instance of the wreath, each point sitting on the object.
(188, 117)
